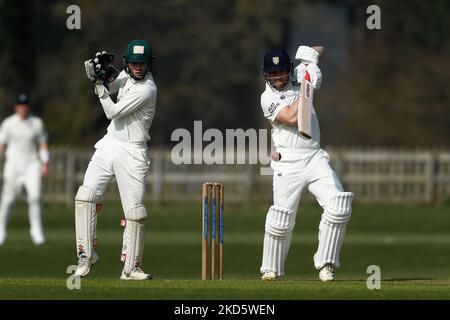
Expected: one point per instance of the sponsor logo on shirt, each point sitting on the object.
(273, 107)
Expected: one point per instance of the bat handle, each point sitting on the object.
(307, 76)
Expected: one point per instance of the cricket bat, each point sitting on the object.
(304, 113)
(306, 105)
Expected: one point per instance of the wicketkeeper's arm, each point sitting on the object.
(132, 101)
(113, 87)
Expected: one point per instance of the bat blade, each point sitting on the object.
(305, 112)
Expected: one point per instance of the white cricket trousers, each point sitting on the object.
(15, 177)
(129, 164)
(314, 172)
(291, 175)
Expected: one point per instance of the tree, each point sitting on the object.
(396, 89)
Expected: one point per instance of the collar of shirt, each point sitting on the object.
(288, 89)
(18, 118)
(133, 81)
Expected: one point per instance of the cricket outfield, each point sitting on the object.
(410, 244)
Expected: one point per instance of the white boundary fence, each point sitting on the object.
(375, 175)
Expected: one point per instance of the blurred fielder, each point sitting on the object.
(121, 153)
(298, 163)
(26, 161)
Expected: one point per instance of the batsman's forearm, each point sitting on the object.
(293, 113)
(2, 149)
(288, 115)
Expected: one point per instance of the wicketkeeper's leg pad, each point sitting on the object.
(332, 229)
(85, 220)
(277, 239)
(133, 238)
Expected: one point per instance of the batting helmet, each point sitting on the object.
(276, 60)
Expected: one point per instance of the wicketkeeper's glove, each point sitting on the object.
(99, 69)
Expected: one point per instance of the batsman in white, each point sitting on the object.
(121, 153)
(27, 158)
(298, 163)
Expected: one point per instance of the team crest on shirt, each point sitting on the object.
(276, 60)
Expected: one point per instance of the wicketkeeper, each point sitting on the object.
(298, 163)
(121, 153)
(25, 139)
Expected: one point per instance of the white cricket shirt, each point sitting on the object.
(22, 138)
(132, 115)
(283, 135)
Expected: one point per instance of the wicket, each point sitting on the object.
(212, 192)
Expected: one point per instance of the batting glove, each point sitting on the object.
(315, 75)
(307, 55)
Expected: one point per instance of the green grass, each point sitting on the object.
(32, 288)
(411, 244)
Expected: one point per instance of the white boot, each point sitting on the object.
(269, 276)
(327, 273)
(37, 237)
(136, 274)
(84, 265)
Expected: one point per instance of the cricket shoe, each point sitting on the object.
(327, 273)
(38, 239)
(269, 276)
(84, 264)
(136, 274)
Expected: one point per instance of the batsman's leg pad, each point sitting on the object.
(133, 238)
(277, 239)
(332, 229)
(85, 220)
(136, 214)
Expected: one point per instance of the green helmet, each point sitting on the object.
(138, 51)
